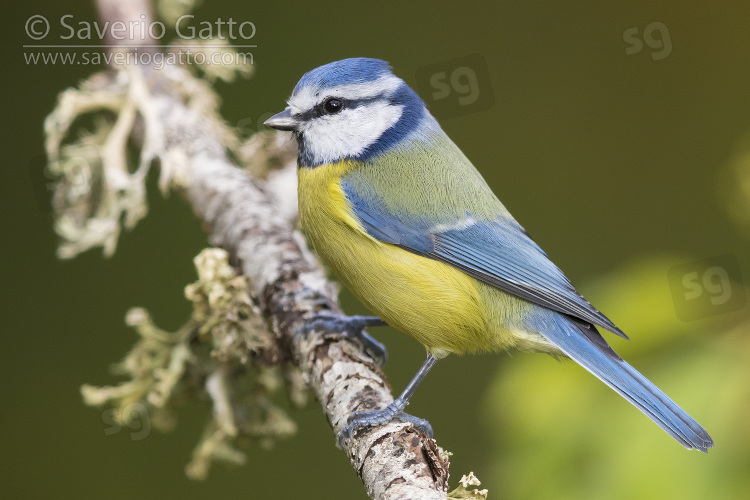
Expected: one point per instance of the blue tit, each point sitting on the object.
(394, 208)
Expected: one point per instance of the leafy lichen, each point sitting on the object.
(217, 352)
(463, 492)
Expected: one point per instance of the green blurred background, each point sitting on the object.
(620, 166)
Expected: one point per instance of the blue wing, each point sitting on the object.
(500, 253)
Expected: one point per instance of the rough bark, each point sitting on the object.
(251, 221)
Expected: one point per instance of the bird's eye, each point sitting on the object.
(333, 105)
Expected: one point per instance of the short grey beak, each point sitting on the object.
(283, 121)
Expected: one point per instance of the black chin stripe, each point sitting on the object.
(304, 157)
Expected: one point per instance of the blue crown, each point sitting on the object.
(346, 71)
(362, 70)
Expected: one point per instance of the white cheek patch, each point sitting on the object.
(331, 137)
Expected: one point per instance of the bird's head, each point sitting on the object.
(353, 109)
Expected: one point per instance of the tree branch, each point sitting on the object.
(253, 221)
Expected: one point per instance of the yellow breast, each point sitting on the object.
(440, 306)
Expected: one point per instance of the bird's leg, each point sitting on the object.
(394, 411)
(352, 326)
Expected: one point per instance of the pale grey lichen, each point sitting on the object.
(224, 352)
(225, 311)
(199, 55)
(94, 188)
(205, 49)
(99, 189)
(220, 350)
(99, 168)
(462, 492)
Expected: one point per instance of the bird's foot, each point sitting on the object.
(353, 327)
(392, 412)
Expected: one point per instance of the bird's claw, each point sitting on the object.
(353, 327)
(392, 412)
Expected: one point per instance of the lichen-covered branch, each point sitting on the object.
(394, 461)
(172, 116)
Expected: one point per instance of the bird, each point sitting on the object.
(406, 222)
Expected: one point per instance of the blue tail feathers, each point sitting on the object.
(576, 340)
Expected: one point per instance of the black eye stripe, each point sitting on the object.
(318, 110)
